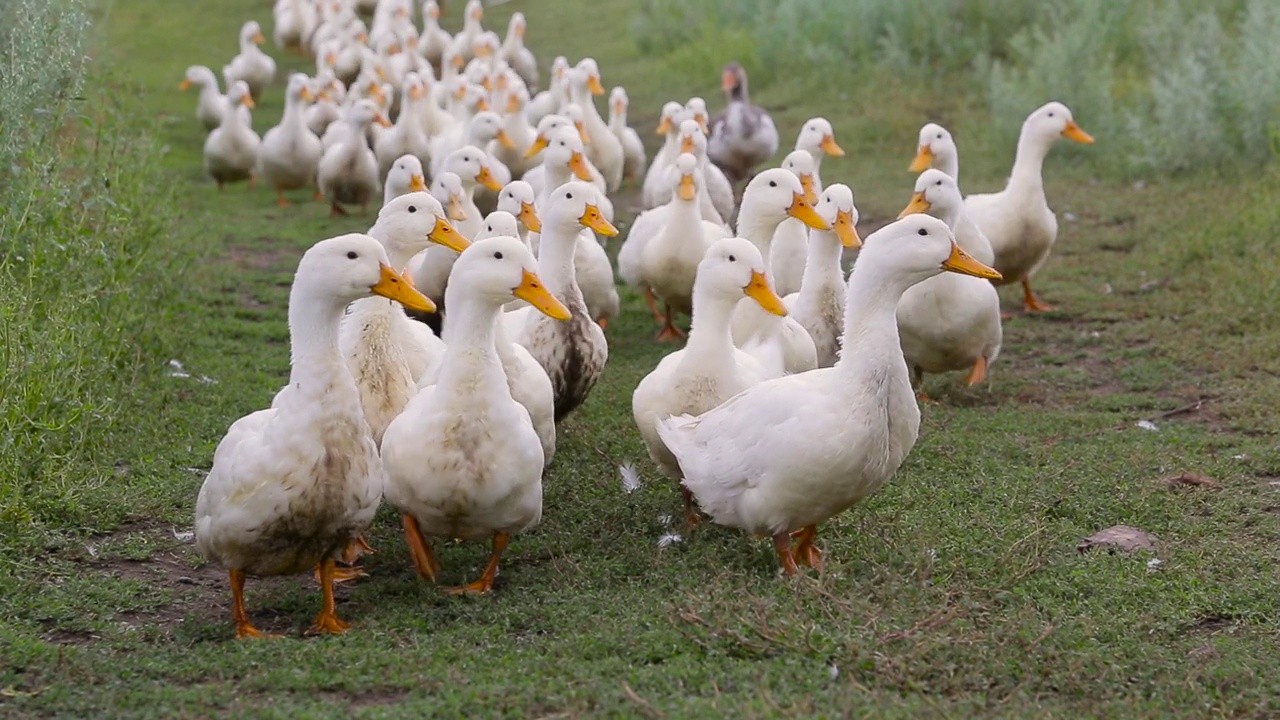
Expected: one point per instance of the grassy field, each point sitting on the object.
(957, 591)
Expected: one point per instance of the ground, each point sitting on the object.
(958, 590)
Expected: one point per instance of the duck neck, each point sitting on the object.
(870, 321)
(209, 90)
(757, 228)
(617, 121)
(469, 336)
(949, 163)
(316, 360)
(294, 118)
(1028, 163)
(739, 93)
(822, 264)
(555, 259)
(710, 340)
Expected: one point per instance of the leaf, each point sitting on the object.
(1120, 537)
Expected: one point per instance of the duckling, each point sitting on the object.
(231, 150)
(950, 323)
(633, 149)
(819, 305)
(937, 150)
(709, 369)
(348, 173)
(795, 451)
(253, 66)
(742, 135)
(290, 153)
(290, 486)
(480, 476)
(211, 102)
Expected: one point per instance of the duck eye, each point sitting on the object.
(569, 196)
(939, 136)
(922, 231)
(732, 259)
(352, 255)
(1050, 113)
(773, 183)
(413, 208)
(497, 255)
(939, 183)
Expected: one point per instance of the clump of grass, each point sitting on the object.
(79, 213)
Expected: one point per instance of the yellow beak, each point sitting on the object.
(529, 216)
(924, 157)
(513, 104)
(831, 147)
(538, 143)
(446, 235)
(505, 140)
(961, 262)
(702, 123)
(592, 218)
(758, 289)
(531, 291)
(258, 39)
(1073, 132)
(417, 183)
(482, 105)
(455, 209)
(687, 144)
(248, 102)
(918, 204)
(486, 178)
(846, 231)
(664, 126)
(487, 84)
(619, 107)
(416, 92)
(801, 210)
(578, 165)
(593, 84)
(582, 133)
(382, 121)
(306, 94)
(184, 85)
(806, 182)
(687, 190)
(393, 286)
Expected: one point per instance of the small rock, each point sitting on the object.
(184, 580)
(1153, 563)
(1120, 537)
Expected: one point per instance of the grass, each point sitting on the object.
(958, 590)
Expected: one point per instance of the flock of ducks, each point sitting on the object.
(434, 355)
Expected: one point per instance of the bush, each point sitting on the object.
(81, 208)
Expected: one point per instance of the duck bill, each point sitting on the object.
(664, 126)
(582, 133)
(455, 209)
(702, 123)
(532, 291)
(1073, 132)
(962, 262)
(417, 183)
(728, 82)
(591, 218)
(918, 204)
(416, 92)
(487, 84)
(393, 286)
(687, 190)
(258, 38)
(486, 178)
(305, 94)
(593, 84)
(578, 165)
(806, 182)
(801, 210)
(513, 104)
(505, 140)
(831, 147)
(482, 105)
(687, 145)
(924, 158)
(539, 143)
(184, 85)
(529, 216)
(619, 107)
(445, 234)
(846, 231)
(758, 289)
(248, 102)
(382, 121)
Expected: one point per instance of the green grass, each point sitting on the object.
(956, 591)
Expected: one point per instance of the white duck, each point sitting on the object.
(292, 485)
(552, 100)
(709, 369)
(464, 42)
(781, 344)
(655, 178)
(787, 252)
(819, 140)
(632, 148)
(407, 136)
(253, 66)
(515, 126)
(518, 199)
(469, 164)
(690, 139)
(572, 353)
(405, 176)
(348, 173)
(329, 94)
(478, 475)
(516, 54)
(819, 305)
(603, 149)
(290, 154)
(743, 134)
(795, 451)
(433, 41)
(950, 322)
(1017, 220)
(293, 23)
(212, 102)
(231, 150)
(672, 258)
(937, 149)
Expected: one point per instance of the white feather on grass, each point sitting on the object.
(630, 478)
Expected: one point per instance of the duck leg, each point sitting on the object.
(424, 561)
(253, 182)
(806, 553)
(485, 583)
(317, 196)
(281, 200)
(244, 628)
(354, 549)
(691, 517)
(1029, 300)
(652, 301)
(335, 210)
(669, 330)
(327, 622)
(782, 544)
(341, 574)
(978, 373)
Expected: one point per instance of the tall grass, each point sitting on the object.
(81, 209)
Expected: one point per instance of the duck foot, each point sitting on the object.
(782, 545)
(669, 331)
(354, 549)
(485, 583)
(805, 552)
(652, 301)
(978, 373)
(1030, 302)
(603, 323)
(244, 628)
(281, 200)
(336, 210)
(342, 574)
(424, 560)
(317, 196)
(327, 622)
(691, 517)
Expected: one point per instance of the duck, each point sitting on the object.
(407, 136)
(434, 40)
(780, 343)
(515, 126)
(573, 353)
(470, 165)
(231, 150)
(552, 100)
(655, 178)
(938, 150)
(787, 252)
(672, 258)
(556, 126)
(405, 176)
(818, 138)
(515, 54)
(464, 42)
(792, 452)
(690, 139)
(290, 154)
(518, 199)
(479, 475)
(253, 66)
(709, 369)
(292, 485)
(742, 136)
(210, 104)
(819, 305)
(329, 93)
(348, 173)
(950, 322)
(1017, 220)
(603, 148)
(294, 21)
(634, 161)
